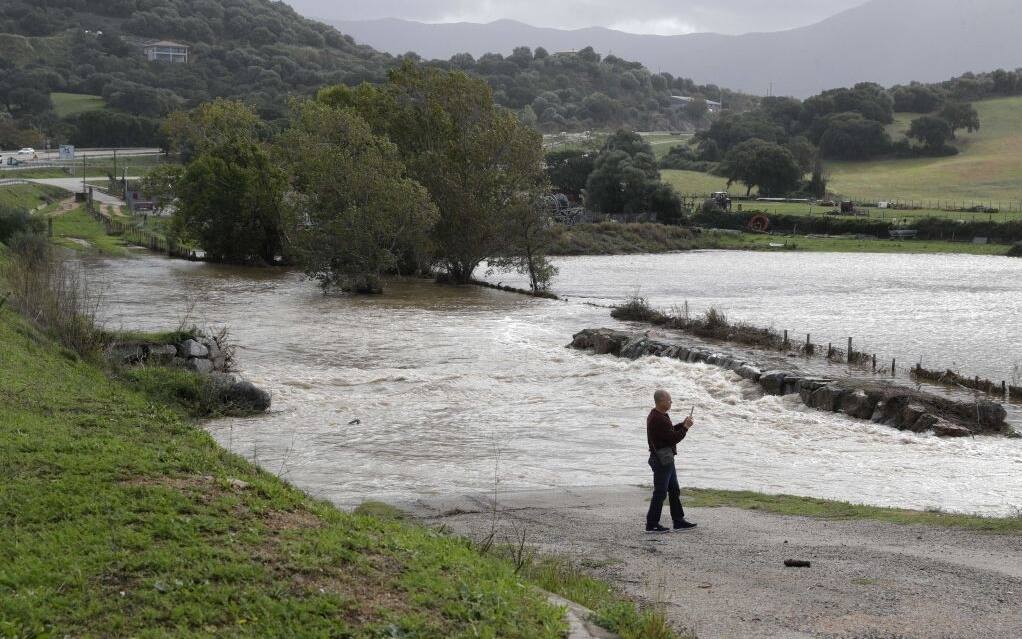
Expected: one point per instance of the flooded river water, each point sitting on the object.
(431, 389)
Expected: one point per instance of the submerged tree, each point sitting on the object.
(527, 243)
(477, 161)
(229, 202)
(355, 214)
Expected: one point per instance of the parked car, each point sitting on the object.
(26, 151)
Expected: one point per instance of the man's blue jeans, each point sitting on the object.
(665, 484)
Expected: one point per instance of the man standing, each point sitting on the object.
(663, 437)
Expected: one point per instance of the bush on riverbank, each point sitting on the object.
(612, 238)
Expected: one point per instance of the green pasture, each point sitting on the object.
(988, 169)
(68, 104)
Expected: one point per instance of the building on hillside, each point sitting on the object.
(166, 51)
(711, 105)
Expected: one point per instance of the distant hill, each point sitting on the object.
(76, 71)
(253, 49)
(884, 41)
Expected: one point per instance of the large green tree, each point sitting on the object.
(229, 201)
(625, 179)
(212, 124)
(568, 170)
(477, 161)
(934, 132)
(762, 164)
(356, 215)
(960, 115)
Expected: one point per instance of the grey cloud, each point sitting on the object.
(641, 16)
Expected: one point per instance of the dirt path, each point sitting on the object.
(726, 578)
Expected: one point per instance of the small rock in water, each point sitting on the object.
(354, 422)
(796, 563)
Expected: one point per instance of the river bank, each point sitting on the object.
(122, 517)
(867, 577)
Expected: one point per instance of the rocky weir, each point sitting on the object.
(884, 403)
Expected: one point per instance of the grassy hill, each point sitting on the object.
(989, 166)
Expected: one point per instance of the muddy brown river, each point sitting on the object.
(429, 390)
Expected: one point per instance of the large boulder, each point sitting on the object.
(888, 410)
(238, 395)
(608, 342)
(858, 404)
(773, 382)
(749, 372)
(827, 398)
(200, 365)
(909, 415)
(192, 348)
(246, 397)
(991, 415)
(634, 348)
(944, 428)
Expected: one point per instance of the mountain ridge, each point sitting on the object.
(885, 41)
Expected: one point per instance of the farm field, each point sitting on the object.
(987, 172)
(989, 167)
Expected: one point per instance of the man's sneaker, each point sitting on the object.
(684, 525)
(657, 529)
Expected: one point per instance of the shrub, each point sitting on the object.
(14, 221)
(53, 294)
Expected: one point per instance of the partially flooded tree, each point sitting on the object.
(477, 161)
(355, 215)
(229, 202)
(527, 242)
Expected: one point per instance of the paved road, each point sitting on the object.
(54, 154)
(75, 186)
(726, 578)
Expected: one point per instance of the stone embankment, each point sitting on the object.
(883, 403)
(205, 354)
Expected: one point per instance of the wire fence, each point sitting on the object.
(139, 237)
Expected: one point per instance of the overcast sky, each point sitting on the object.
(637, 16)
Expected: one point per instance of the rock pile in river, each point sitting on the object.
(881, 402)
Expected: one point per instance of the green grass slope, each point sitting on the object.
(28, 196)
(989, 166)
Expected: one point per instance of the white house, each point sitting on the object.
(166, 51)
(711, 105)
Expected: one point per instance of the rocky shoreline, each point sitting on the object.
(884, 403)
(203, 353)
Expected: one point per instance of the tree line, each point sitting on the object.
(421, 174)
